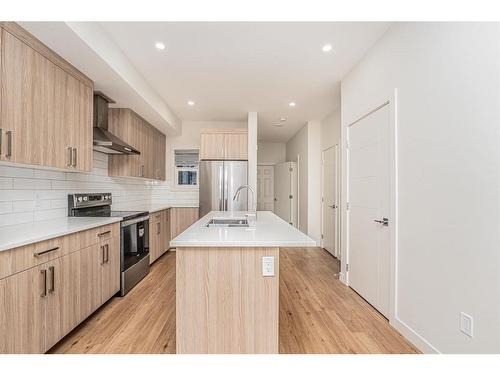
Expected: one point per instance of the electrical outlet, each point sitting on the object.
(267, 266)
(466, 324)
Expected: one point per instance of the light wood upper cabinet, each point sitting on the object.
(150, 142)
(46, 105)
(224, 144)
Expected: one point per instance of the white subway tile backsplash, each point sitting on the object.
(28, 194)
(31, 184)
(5, 208)
(6, 183)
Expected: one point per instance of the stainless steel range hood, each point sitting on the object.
(104, 141)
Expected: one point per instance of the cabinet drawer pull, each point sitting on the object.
(104, 233)
(74, 157)
(9, 143)
(37, 254)
(44, 273)
(52, 279)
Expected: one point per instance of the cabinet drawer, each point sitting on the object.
(21, 258)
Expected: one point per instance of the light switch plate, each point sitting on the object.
(267, 266)
(466, 324)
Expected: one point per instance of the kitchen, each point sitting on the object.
(146, 209)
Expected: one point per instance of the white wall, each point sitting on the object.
(448, 116)
(296, 150)
(271, 152)
(330, 130)
(314, 180)
(28, 195)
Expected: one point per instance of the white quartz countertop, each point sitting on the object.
(12, 236)
(269, 231)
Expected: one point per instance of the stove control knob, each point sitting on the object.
(85, 199)
(79, 199)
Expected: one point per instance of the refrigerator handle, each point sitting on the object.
(221, 179)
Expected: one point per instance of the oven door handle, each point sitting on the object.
(135, 220)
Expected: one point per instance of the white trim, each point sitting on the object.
(267, 164)
(337, 198)
(412, 336)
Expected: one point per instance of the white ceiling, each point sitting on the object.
(232, 68)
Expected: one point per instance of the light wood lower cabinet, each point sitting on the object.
(159, 234)
(181, 218)
(40, 305)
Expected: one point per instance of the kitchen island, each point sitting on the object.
(227, 283)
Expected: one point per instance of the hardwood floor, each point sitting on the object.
(318, 314)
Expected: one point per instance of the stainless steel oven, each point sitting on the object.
(134, 244)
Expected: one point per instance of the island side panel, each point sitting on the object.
(224, 304)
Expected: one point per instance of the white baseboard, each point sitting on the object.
(412, 336)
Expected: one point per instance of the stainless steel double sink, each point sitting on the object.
(225, 223)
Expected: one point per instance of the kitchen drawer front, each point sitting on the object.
(24, 257)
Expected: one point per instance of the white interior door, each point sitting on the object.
(282, 191)
(368, 197)
(329, 208)
(265, 187)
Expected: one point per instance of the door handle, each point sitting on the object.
(52, 279)
(107, 253)
(44, 273)
(158, 228)
(333, 206)
(384, 221)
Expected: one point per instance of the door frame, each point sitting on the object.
(390, 101)
(337, 198)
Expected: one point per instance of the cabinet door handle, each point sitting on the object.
(74, 158)
(1, 135)
(37, 254)
(9, 143)
(44, 273)
(157, 228)
(107, 253)
(70, 157)
(103, 254)
(52, 279)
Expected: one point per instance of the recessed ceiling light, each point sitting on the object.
(191, 103)
(291, 104)
(327, 48)
(160, 45)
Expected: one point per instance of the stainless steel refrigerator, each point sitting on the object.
(219, 180)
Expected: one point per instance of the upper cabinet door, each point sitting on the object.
(224, 144)
(46, 116)
(212, 146)
(236, 146)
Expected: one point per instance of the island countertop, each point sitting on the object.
(269, 231)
